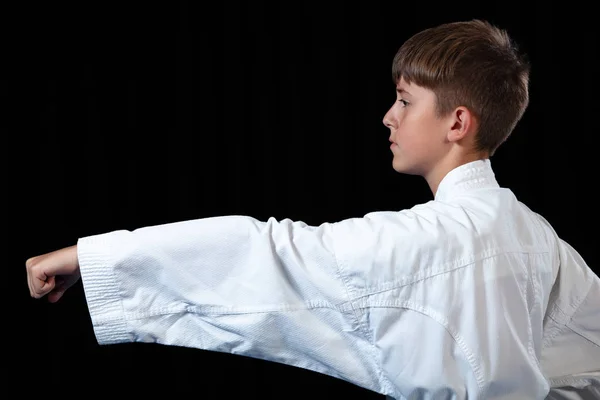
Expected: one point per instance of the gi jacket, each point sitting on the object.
(470, 295)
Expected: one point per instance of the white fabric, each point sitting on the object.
(471, 295)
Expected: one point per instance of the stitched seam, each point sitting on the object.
(220, 310)
(552, 333)
(562, 323)
(582, 335)
(441, 320)
(462, 263)
(561, 382)
(533, 356)
(383, 380)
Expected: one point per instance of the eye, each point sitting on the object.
(403, 102)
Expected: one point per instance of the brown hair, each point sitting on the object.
(473, 64)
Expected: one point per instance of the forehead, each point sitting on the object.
(412, 89)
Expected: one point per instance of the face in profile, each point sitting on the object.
(416, 132)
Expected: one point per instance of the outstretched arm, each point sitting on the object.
(271, 290)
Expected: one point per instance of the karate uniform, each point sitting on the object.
(471, 295)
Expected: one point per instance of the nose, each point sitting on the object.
(387, 120)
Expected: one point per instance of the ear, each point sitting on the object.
(463, 124)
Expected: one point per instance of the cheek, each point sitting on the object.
(414, 134)
(408, 127)
(415, 122)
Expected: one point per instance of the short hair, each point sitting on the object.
(472, 64)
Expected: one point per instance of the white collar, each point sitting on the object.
(473, 175)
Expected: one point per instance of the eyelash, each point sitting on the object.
(404, 102)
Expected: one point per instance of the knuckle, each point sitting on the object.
(30, 262)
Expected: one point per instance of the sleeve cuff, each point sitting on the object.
(96, 256)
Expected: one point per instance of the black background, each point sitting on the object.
(123, 115)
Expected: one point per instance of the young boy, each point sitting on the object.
(470, 295)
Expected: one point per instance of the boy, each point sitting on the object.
(471, 295)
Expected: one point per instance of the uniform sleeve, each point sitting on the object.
(571, 353)
(270, 290)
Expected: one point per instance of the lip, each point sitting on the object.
(393, 145)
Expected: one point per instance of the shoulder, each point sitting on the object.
(389, 248)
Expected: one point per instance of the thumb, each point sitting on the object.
(61, 284)
(56, 294)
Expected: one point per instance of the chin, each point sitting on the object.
(404, 168)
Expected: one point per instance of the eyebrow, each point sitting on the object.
(400, 91)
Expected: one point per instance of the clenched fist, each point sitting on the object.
(53, 273)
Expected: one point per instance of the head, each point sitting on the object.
(461, 89)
